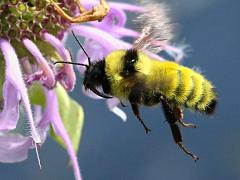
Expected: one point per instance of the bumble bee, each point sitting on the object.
(135, 76)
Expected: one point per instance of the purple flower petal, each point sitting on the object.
(178, 53)
(94, 50)
(123, 32)
(116, 18)
(103, 38)
(66, 75)
(13, 76)
(59, 129)
(14, 148)
(57, 44)
(37, 114)
(112, 105)
(114, 5)
(126, 7)
(10, 113)
(48, 78)
(36, 76)
(90, 94)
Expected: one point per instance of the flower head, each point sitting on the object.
(31, 35)
(30, 39)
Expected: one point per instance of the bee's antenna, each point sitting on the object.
(66, 62)
(89, 60)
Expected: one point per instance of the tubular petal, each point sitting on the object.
(116, 18)
(57, 44)
(114, 5)
(66, 75)
(105, 39)
(14, 148)
(94, 50)
(48, 78)
(10, 114)
(90, 94)
(112, 105)
(14, 76)
(125, 32)
(177, 52)
(126, 7)
(60, 130)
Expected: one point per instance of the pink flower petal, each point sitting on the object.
(66, 75)
(116, 18)
(48, 78)
(103, 38)
(10, 113)
(177, 52)
(124, 32)
(13, 75)
(94, 50)
(59, 129)
(112, 105)
(57, 44)
(126, 7)
(90, 94)
(14, 148)
(114, 5)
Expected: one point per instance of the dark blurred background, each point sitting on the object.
(111, 149)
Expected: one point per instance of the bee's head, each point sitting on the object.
(94, 73)
(93, 77)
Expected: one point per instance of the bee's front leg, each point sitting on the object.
(136, 112)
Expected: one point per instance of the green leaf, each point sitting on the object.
(72, 117)
(36, 94)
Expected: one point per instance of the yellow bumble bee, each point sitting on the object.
(134, 75)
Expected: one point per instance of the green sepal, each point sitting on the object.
(72, 117)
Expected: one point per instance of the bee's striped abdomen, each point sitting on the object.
(185, 86)
(195, 92)
(208, 100)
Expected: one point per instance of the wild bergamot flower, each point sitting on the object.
(31, 35)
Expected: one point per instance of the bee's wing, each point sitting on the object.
(156, 28)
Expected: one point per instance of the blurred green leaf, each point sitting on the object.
(36, 94)
(72, 117)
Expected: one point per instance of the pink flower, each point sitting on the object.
(29, 44)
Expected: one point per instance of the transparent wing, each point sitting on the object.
(156, 26)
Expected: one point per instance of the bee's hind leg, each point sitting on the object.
(178, 112)
(172, 120)
(136, 112)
